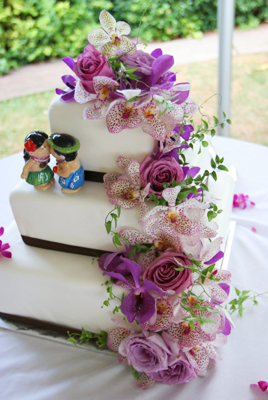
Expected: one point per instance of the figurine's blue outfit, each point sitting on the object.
(74, 180)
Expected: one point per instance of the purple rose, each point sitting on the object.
(180, 371)
(141, 60)
(159, 171)
(91, 63)
(162, 272)
(145, 353)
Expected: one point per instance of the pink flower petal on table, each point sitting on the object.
(254, 230)
(263, 385)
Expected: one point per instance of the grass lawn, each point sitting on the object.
(21, 115)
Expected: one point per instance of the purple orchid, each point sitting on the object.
(114, 262)
(4, 247)
(139, 303)
(68, 80)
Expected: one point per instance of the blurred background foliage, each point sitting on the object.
(35, 30)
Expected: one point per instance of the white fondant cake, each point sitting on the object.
(65, 289)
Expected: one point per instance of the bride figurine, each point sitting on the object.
(37, 156)
(64, 148)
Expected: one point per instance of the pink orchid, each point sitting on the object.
(200, 356)
(111, 38)
(159, 237)
(217, 288)
(242, 201)
(164, 315)
(125, 190)
(183, 221)
(97, 104)
(124, 114)
(4, 247)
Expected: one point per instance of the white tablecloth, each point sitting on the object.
(35, 368)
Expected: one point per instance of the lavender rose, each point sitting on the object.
(179, 372)
(141, 60)
(162, 272)
(159, 171)
(145, 353)
(91, 63)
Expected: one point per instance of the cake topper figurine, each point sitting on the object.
(64, 148)
(37, 156)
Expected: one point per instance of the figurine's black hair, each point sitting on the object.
(64, 141)
(38, 138)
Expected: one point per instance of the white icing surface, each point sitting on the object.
(56, 287)
(74, 219)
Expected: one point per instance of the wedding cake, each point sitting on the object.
(148, 227)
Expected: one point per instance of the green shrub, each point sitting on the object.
(35, 30)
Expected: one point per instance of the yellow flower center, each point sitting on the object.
(161, 308)
(150, 112)
(133, 194)
(104, 93)
(116, 40)
(173, 215)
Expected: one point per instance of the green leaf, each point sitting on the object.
(213, 164)
(213, 132)
(244, 292)
(222, 125)
(215, 120)
(237, 291)
(205, 143)
(228, 121)
(224, 115)
(214, 175)
(241, 312)
(210, 215)
(223, 168)
(183, 293)
(192, 325)
(233, 302)
(207, 320)
(203, 186)
(72, 339)
(108, 226)
(205, 124)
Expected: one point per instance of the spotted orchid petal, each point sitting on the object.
(127, 46)
(123, 193)
(170, 195)
(132, 169)
(164, 316)
(81, 95)
(100, 82)
(189, 107)
(199, 359)
(108, 22)
(122, 28)
(134, 236)
(109, 179)
(122, 115)
(116, 336)
(109, 50)
(145, 381)
(98, 37)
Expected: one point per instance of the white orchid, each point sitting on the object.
(111, 37)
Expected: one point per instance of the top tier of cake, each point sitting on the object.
(99, 148)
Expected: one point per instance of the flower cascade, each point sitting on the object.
(168, 266)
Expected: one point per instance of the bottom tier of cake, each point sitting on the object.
(54, 287)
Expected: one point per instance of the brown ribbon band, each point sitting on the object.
(66, 248)
(94, 176)
(32, 322)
